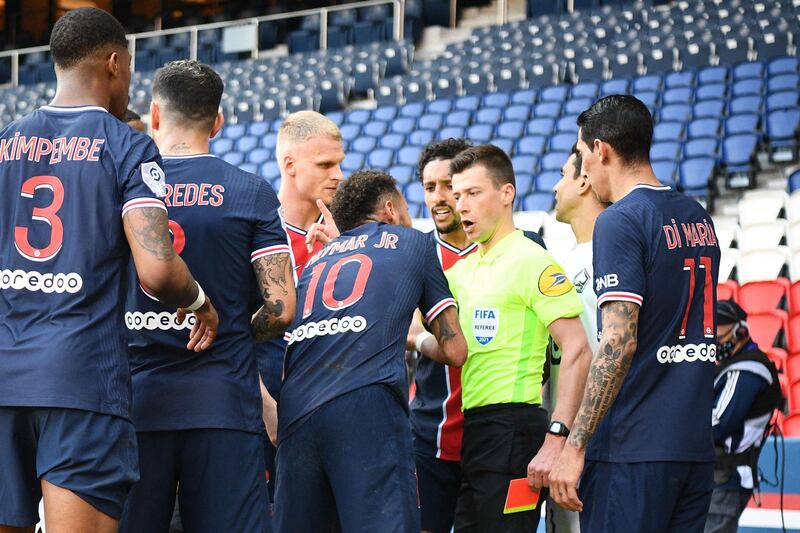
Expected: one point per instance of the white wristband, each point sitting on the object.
(199, 301)
(420, 338)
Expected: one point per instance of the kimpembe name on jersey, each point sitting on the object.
(35, 148)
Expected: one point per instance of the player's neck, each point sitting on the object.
(181, 142)
(297, 211)
(505, 228)
(456, 238)
(582, 222)
(74, 91)
(629, 177)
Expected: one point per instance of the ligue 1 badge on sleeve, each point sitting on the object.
(484, 324)
(153, 177)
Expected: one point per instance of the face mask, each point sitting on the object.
(725, 350)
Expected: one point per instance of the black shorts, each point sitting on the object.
(439, 482)
(499, 442)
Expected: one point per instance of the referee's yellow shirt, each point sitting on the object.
(506, 299)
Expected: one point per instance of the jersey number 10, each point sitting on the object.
(328, 300)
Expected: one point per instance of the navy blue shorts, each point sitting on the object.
(657, 497)
(349, 466)
(217, 473)
(90, 454)
(439, 482)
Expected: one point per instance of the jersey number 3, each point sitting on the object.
(328, 299)
(45, 214)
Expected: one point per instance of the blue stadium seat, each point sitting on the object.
(459, 119)
(577, 105)
(403, 125)
(467, 103)
(504, 143)
(523, 183)
(784, 65)
(392, 141)
(680, 95)
(712, 91)
(783, 82)
(221, 145)
(359, 116)
(414, 192)
(540, 126)
(480, 133)
(782, 130)
(668, 131)
(234, 158)
(527, 97)
(234, 131)
(555, 93)
(402, 173)
(562, 142)
(650, 99)
(665, 171)
(538, 201)
(545, 181)
(782, 100)
(679, 79)
(532, 145)
(375, 128)
(713, 75)
(676, 112)
(491, 115)
(746, 104)
(440, 106)
(269, 140)
(704, 127)
(258, 129)
(696, 172)
(649, 83)
(381, 158)
(744, 71)
(567, 124)
(353, 161)
(420, 137)
(705, 147)
(351, 131)
(587, 89)
(252, 168)
(496, 100)
(517, 112)
(615, 86)
(737, 155)
(547, 110)
(554, 160)
(246, 143)
(259, 156)
(743, 123)
(270, 170)
(524, 164)
(430, 122)
(709, 109)
(665, 151)
(794, 181)
(408, 155)
(512, 129)
(748, 87)
(363, 144)
(386, 113)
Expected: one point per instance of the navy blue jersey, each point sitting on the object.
(657, 248)
(221, 219)
(355, 301)
(67, 175)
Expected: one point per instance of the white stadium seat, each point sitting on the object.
(757, 207)
(762, 265)
(530, 220)
(764, 236)
(727, 265)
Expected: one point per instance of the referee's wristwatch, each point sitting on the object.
(558, 428)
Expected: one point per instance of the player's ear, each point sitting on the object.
(155, 116)
(583, 184)
(600, 149)
(113, 64)
(508, 192)
(218, 123)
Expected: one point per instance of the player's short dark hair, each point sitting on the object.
(622, 121)
(190, 89)
(578, 162)
(83, 32)
(130, 115)
(489, 156)
(359, 196)
(444, 150)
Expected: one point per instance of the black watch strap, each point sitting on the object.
(558, 428)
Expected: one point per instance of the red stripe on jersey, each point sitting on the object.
(620, 297)
(137, 203)
(438, 308)
(277, 249)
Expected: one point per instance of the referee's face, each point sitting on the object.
(438, 187)
(478, 202)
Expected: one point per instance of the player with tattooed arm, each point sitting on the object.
(199, 417)
(642, 437)
(80, 192)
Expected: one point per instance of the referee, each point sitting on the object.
(510, 294)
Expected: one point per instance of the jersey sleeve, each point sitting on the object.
(548, 291)
(436, 295)
(269, 236)
(140, 178)
(619, 259)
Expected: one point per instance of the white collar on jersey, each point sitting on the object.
(189, 156)
(452, 248)
(652, 187)
(73, 109)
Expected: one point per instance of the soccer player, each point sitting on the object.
(198, 418)
(81, 192)
(643, 427)
(309, 153)
(578, 206)
(510, 293)
(345, 453)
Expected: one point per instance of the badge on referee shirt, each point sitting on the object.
(553, 282)
(484, 324)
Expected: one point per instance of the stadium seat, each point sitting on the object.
(467, 103)
(404, 125)
(526, 97)
(414, 192)
(783, 65)
(676, 113)
(500, 100)
(782, 100)
(783, 82)
(746, 104)
(615, 86)
(259, 156)
(758, 207)
(664, 151)
(402, 173)
(562, 142)
(763, 236)
(420, 137)
(728, 265)
(738, 155)
(706, 147)
(764, 296)
(364, 145)
(525, 164)
(459, 119)
(490, 115)
(511, 129)
(353, 161)
(554, 161)
(234, 158)
(680, 95)
(665, 172)
(234, 131)
(555, 93)
(523, 183)
(709, 109)
(712, 91)
(697, 172)
(668, 131)
(538, 201)
(480, 133)
(430, 122)
(782, 130)
(545, 181)
(221, 146)
(451, 132)
(531, 145)
(768, 329)
(792, 368)
(727, 290)
(408, 155)
(375, 128)
(504, 143)
(270, 170)
(650, 83)
(713, 75)
(749, 70)
(540, 126)
(393, 141)
(440, 106)
(793, 332)
(704, 127)
(762, 265)
(791, 425)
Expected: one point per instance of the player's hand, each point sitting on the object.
(564, 478)
(269, 413)
(205, 326)
(540, 467)
(323, 232)
(415, 329)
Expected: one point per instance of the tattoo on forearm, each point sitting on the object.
(271, 276)
(149, 227)
(443, 329)
(609, 368)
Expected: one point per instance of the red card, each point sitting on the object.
(520, 497)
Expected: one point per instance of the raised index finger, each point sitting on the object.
(326, 214)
